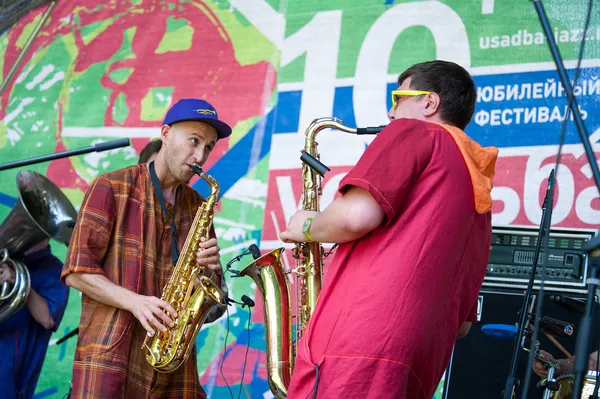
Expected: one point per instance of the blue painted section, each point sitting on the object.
(63, 347)
(287, 112)
(7, 200)
(342, 105)
(236, 162)
(46, 393)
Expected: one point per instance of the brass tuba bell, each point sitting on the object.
(42, 211)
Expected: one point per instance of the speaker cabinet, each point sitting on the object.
(480, 363)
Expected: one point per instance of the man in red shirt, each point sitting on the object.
(414, 227)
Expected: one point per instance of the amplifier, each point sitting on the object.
(480, 364)
(512, 255)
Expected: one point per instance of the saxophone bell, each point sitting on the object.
(271, 281)
(271, 277)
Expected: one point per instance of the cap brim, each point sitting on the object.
(223, 129)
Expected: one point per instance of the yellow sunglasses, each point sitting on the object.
(396, 94)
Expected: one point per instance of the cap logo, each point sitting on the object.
(203, 111)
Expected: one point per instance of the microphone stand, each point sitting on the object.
(544, 232)
(564, 78)
(109, 145)
(593, 247)
(583, 344)
(67, 336)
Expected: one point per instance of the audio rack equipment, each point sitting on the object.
(511, 260)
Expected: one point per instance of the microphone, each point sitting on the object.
(231, 301)
(255, 251)
(247, 301)
(571, 304)
(252, 249)
(556, 327)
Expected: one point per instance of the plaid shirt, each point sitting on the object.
(123, 234)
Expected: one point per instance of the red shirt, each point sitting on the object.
(394, 300)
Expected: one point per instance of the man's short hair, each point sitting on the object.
(451, 82)
(153, 147)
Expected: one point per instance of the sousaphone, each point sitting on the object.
(42, 211)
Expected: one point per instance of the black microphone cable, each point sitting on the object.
(571, 97)
(255, 251)
(226, 337)
(247, 349)
(235, 259)
(316, 387)
(246, 301)
(595, 394)
(575, 80)
(234, 273)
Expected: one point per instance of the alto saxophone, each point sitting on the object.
(167, 351)
(270, 276)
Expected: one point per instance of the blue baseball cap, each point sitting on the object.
(191, 109)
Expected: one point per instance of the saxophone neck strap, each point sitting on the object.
(163, 204)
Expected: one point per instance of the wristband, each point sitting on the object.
(306, 228)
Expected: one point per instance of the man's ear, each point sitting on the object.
(165, 130)
(433, 104)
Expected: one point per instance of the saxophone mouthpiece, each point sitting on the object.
(370, 129)
(196, 169)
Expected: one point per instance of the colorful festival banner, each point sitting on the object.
(101, 70)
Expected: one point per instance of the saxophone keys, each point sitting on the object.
(300, 270)
(295, 252)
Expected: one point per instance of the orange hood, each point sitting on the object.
(481, 163)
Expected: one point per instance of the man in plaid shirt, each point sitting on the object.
(120, 259)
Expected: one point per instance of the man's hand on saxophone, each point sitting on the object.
(209, 255)
(293, 231)
(145, 308)
(149, 309)
(348, 218)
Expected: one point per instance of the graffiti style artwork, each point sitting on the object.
(101, 70)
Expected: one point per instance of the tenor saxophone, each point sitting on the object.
(165, 352)
(270, 276)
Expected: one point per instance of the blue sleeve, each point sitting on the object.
(51, 288)
(17, 321)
